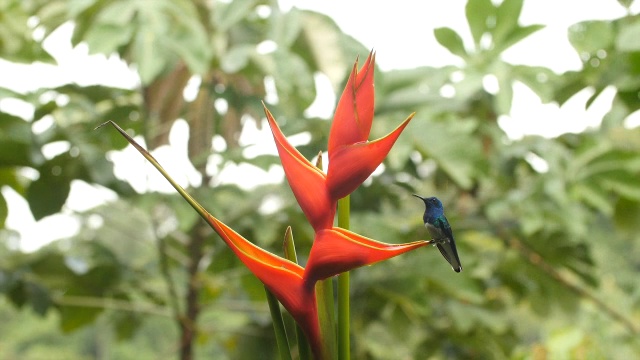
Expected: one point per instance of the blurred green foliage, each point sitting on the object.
(550, 251)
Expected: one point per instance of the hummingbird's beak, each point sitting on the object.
(418, 196)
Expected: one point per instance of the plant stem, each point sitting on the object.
(327, 317)
(304, 351)
(278, 326)
(344, 346)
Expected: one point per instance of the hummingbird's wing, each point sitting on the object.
(448, 248)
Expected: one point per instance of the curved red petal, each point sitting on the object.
(308, 183)
(354, 113)
(337, 250)
(351, 165)
(282, 277)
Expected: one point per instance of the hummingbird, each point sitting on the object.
(440, 230)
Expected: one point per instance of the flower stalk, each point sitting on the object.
(344, 301)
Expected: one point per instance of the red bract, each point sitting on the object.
(308, 183)
(338, 250)
(354, 113)
(350, 165)
(282, 277)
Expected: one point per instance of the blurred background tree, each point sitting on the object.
(547, 228)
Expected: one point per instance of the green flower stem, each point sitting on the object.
(304, 351)
(326, 306)
(278, 326)
(327, 317)
(344, 346)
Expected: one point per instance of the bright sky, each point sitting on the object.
(377, 24)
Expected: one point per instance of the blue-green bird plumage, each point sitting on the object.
(440, 230)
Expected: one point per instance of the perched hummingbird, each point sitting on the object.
(440, 230)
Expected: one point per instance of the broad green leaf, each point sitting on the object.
(237, 58)
(450, 40)
(455, 150)
(15, 141)
(294, 80)
(627, 39)
(285, 28)
(189, 38)
(104, 38)
(624, 183)
(49, 192)
(150, 58)
(16, 37)
(229, 14)
(626, 3)
(504, 96)
(324, 46)
(539, 79)
(74, 317)
(591, 36)
(593, 195)
(507, 15)
(127, 324)
(478, 14)
(627, 215)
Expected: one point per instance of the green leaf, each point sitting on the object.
(455, 149)
(237, 58)
(539, 79)
(49, 192)
(626, 3)
(516, 36)
(591, 36)
(107, 38)
(627, 39)
(624, 183)
(593, 195)
(284, 28)
(233, 12)
(478, 13)
(627, 215)
(450, 40)
(323, 46)
(504, 95)
(150, 58)
(15, 141)
(17, 42)
(293, 78)
(74, 317)
(507, 15)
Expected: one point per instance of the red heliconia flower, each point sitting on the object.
(352, 159)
